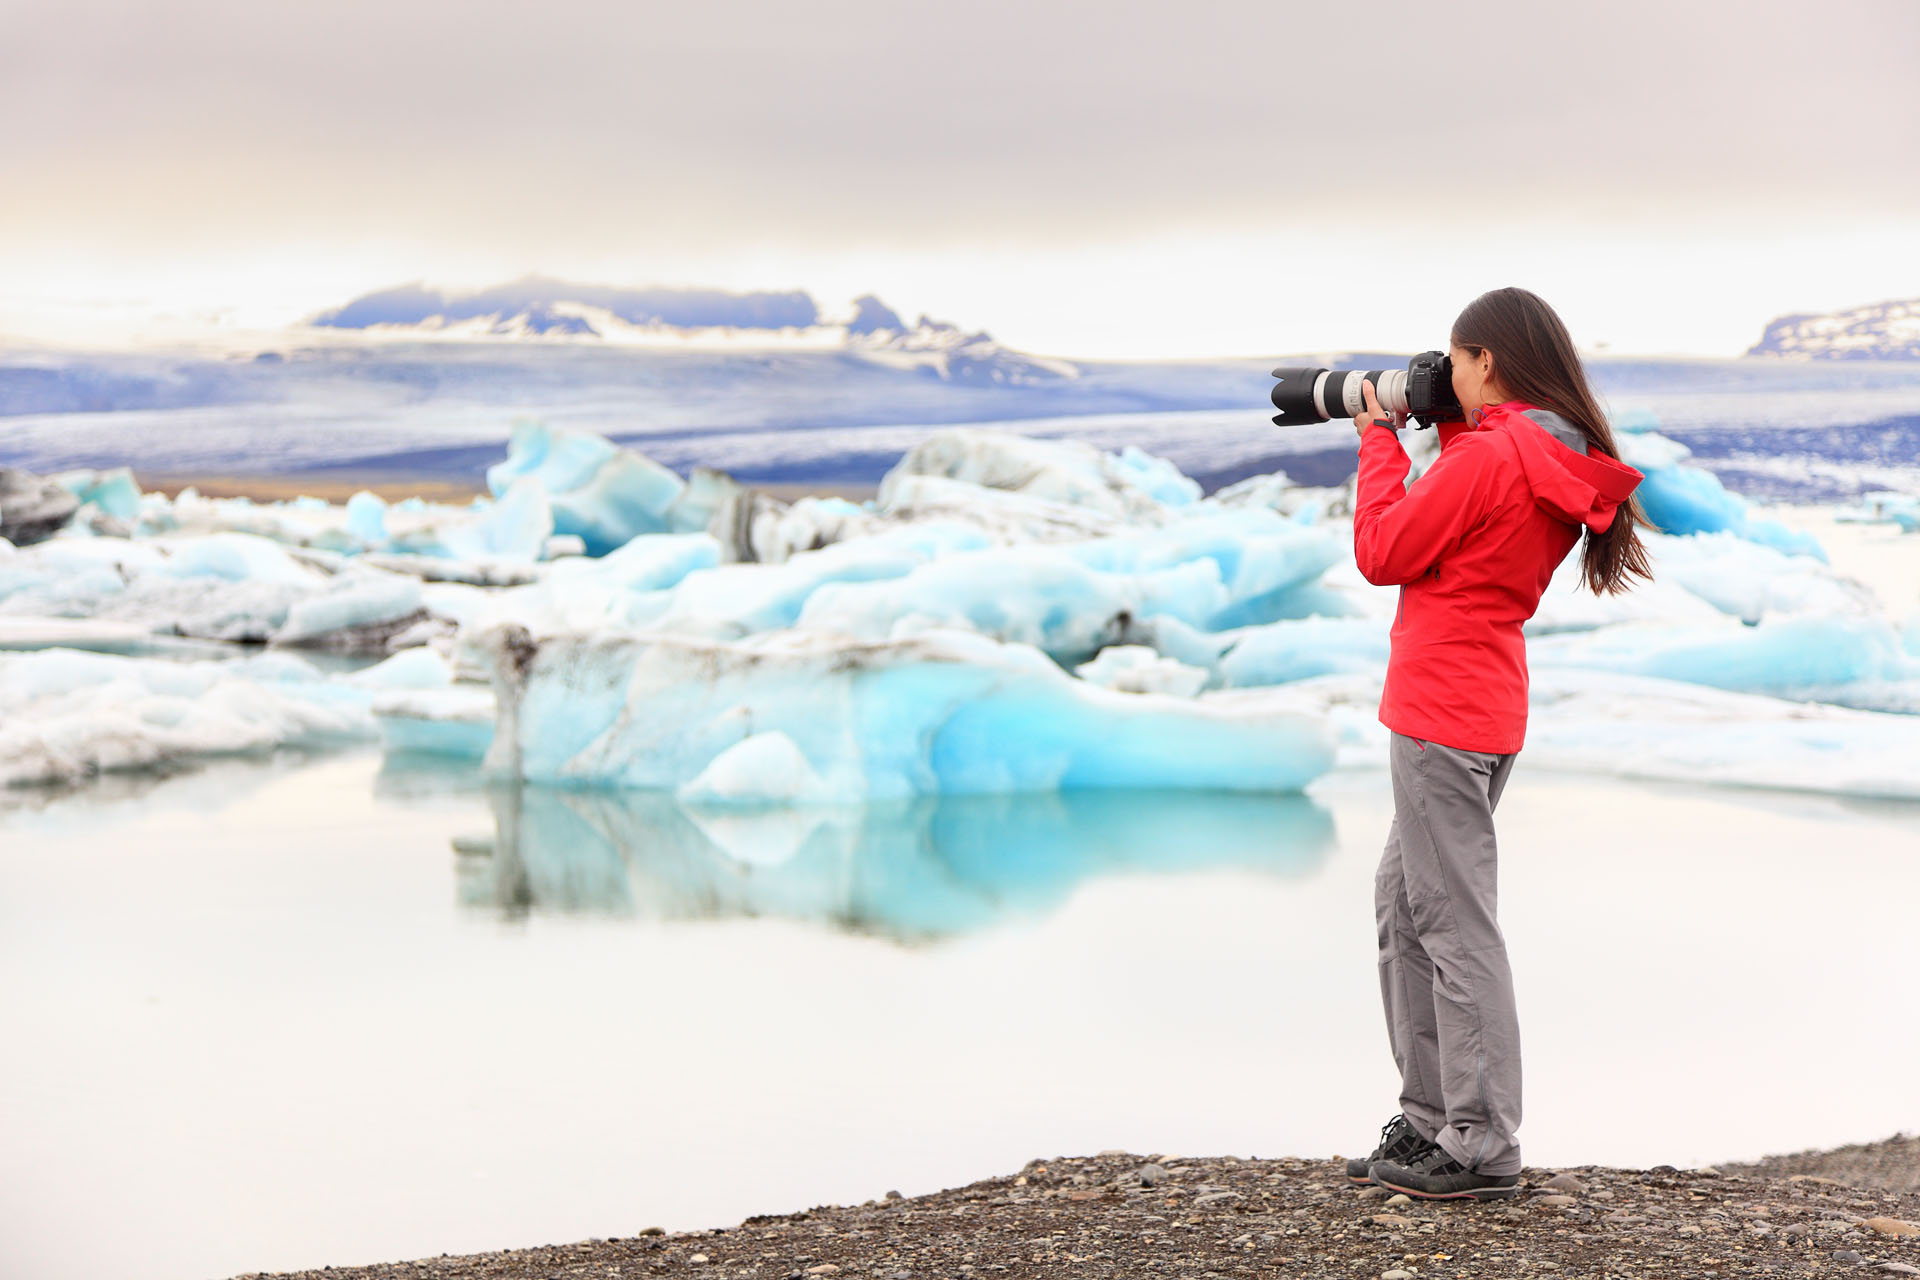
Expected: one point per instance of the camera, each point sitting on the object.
(1423, 391)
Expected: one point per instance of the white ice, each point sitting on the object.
(1680, 499)
(596, 491)
(224, 586)
(1605, 724)
(941, 713)
(1129, 485)
(66, 715)
(1008, 614)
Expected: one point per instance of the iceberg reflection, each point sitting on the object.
(913, 869)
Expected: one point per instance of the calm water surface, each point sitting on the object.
(280, 1015)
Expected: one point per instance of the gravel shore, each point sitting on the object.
(1855, 1210)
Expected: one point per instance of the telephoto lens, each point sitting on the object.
(1423, 390)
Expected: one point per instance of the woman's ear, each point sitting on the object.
(1490, 380)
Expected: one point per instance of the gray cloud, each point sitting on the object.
(842, 122)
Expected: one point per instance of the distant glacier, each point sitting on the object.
(417, 383)
(1881, 331)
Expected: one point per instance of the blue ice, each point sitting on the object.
(943, 713)
(598, 492)
(1681, 499)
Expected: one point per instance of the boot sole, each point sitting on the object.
(1480, 1193)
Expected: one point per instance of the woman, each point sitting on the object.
(1472, 546)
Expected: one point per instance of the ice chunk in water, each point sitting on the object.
(1804, 656)
(1131, 486)
(367, 519)
(66, 715)
(1680, 499)
(599, 492)
(944, 712)
(515, 528)
(1135, 668)
(114, 492)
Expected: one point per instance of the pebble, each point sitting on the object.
(1891, 1227)
(1151, 1173)
(1848, 1256)
(1555, 1202)
(824, 1269)
(1900, 1269)
(1215, 1198)
(1566, 1182)
(1391, 1220)
(1396, 1274)
(698, 1257)
(1400, 1198)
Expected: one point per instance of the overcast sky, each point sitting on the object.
(1085, 179)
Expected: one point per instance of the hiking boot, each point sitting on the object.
(1399, 1140)
(1435, 1175)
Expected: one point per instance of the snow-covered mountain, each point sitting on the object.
(1882, 331)
(537, 308)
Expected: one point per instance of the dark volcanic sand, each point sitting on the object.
(1121, 1215)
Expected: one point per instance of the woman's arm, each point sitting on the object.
(1400, 533)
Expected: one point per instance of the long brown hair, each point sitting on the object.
(1534, 360)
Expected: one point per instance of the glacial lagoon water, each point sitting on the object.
(284, 1014)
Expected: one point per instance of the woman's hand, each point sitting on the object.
(1373, 413)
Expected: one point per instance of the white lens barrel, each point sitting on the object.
(1339, 393)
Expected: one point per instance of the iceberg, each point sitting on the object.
(1658, 730)
(597, 491)
(228, 586)
(732, 600)
(1283, 652)
(1132, 485)
(1751, 580)
(1135, 668)
(1005, 518)
(67, 715)
(514, 528)
(1839, 658)
(1074, 599)
(581, 594)
(367, 519)
(454, 722)
(940, 713)
(1604, 724)
(1884, 506)
(1680, 499)
(113, 493)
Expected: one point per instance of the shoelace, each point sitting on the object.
(1435, 1160)
(1386, 1130)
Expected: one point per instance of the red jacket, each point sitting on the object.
(1472, 546)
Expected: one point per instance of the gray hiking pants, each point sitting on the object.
(1443, 964)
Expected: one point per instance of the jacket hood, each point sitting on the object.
(1572, 483)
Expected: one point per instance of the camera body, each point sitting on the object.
(1423, 391)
